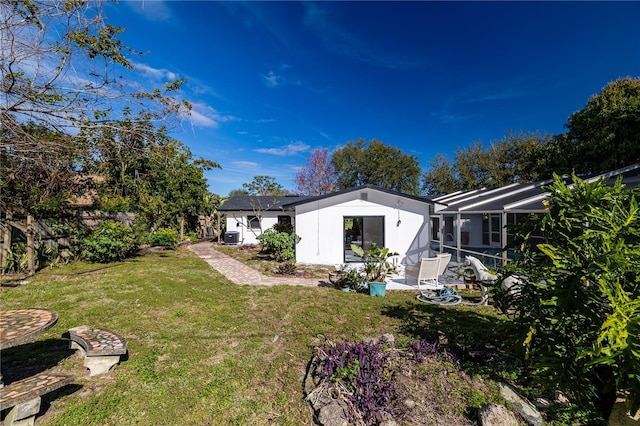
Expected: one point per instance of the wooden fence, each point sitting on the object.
(31, 231)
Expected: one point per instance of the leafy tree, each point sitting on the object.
(264, 185)
(604, 135)
(178, 179)
(43, 187)
(237, 193)
(514, 158)
(578, 314)
(319, 176)
(60, 70)
(360, 163)
(441, 178)
(155, 173)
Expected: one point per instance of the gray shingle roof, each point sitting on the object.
(279, 203)
(260, 202)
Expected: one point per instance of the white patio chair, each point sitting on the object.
(430, 289)
(445, 258)
(428, 274)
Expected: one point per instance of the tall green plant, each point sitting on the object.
(109, 242)
(578, 316)
(376, 261)
(280, 245)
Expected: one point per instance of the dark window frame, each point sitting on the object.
(253, 222)
(347, 242)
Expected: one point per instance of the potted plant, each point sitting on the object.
(347, 278)
(377, 266)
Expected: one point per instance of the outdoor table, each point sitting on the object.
(19, 326)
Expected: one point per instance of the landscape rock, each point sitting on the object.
(497, 415)
(333, 414)
(521, 405)
(410, 404)
(387, 338)
(620, 415)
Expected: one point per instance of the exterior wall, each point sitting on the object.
(320, 225)
(237, 221)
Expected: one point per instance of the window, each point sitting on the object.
(362, 231)
(284, 220)
(284, 224)
(253, 222)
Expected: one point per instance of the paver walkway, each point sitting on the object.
(240, 273)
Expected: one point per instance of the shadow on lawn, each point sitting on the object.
(475, 336)
(30, 359)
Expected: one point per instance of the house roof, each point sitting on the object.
(260, 202)
(281, 203)
(360, 188)
(524, 197)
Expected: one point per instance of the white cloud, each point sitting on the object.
(290, 149)
(271, 79)
(155, 10)
(246, 164)
(205, 116)
(156, 73)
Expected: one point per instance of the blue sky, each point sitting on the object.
(270, 81)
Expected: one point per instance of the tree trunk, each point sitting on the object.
(219, 226)
(182, 228)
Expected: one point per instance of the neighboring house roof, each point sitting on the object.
(281, 203)
(260, 202)
(523, 197)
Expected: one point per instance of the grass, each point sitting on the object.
(203, 350)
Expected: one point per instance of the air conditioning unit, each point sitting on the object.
(231, 237)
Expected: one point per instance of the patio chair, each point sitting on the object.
(445, 258)
(430, 289)
(428, 273)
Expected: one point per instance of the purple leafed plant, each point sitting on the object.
(367, 369)
(419, 350)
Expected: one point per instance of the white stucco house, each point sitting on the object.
(330, 223)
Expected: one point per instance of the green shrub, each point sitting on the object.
(191, 236)
(17, 259)
(109, 242)
(578, 315)
(164, 237)
(280, 245)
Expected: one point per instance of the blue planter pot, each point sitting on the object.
(377, 289)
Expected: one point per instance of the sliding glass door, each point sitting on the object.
(362, 231)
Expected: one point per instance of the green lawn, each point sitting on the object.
(203, 350)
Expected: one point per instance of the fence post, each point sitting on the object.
(6, 242)
(30, 251)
